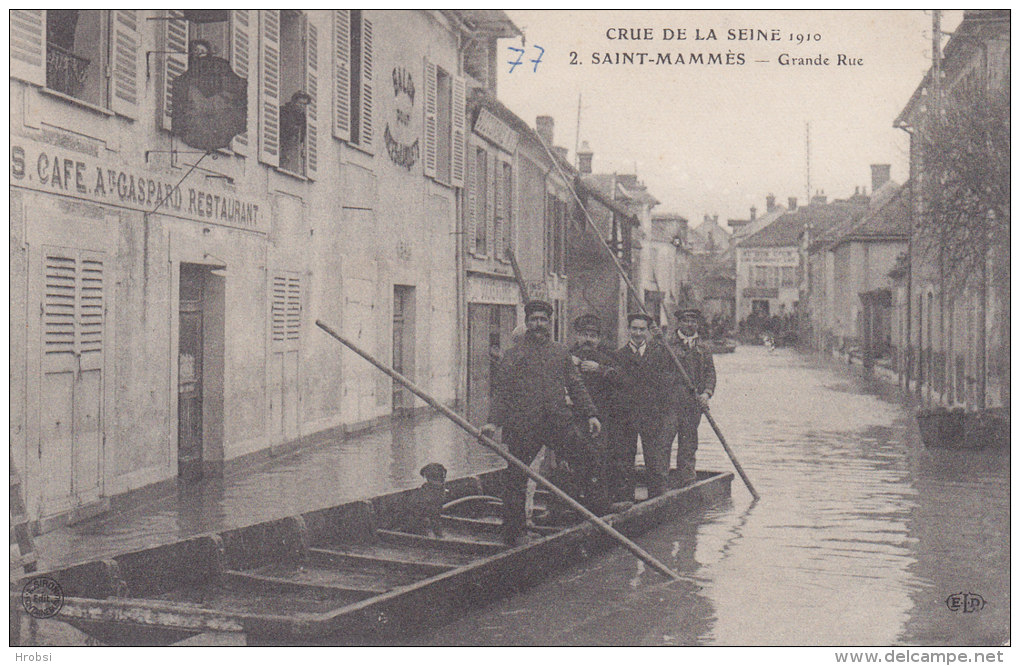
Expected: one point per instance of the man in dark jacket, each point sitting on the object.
(647, 400)
(601, 377)
(529, 403)
(697, 362)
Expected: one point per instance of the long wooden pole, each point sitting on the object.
(641, 304)
(488, 443)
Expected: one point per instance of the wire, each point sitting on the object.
(178, 185)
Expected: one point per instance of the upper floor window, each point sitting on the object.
(88, 55)
(479, 197)
(555, 234)
(75, 54)
(288, 92)
(353, 88)
(445, 125)
(189, 34)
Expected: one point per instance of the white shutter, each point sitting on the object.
(279, 308)
(285, 307)
(459, 131)
(342, 74)
(28, 45)
(429, 161)
(60, 299)
(312, 88)
(90, 305)
(293, 315)
(175, 63)
(240, 57)
(269, 87)
(365, 138)
(124, 58)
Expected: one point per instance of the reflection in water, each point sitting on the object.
(860, 535)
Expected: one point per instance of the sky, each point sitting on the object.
(716, 139)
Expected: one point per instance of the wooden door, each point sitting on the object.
(403, 344)
(71, 423)
(284, 357)
(478, 362)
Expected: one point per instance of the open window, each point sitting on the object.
(352, 78)
(75, 54)
(192, 33)
(288, 92)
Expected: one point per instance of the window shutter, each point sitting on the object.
(342, 74)
(496, 179)
(269, 87)
(73, 304)
(240, 57)
(175, 63)
(429, 161)
(285, 308)
(90, 305)
(312, 88)
(124, 58)
(28, 45)
(365, 139)
(508, 200)
(459, 123)
(490, 221)
(471, 194)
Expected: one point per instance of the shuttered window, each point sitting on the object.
(28, 45)
(480, 201)
(124, 99)
(288, 92)
(353, 75)
(445, 125)
(73, 304)
(286, 308)
(240, 58)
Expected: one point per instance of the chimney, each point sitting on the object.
(819, 197)
(560, 152)
(791, 203)
(715, 219)
(754, 213)
(770, 203)
(544, 126)
(584, 157)
(879, 176)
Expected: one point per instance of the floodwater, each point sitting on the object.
(860, 537)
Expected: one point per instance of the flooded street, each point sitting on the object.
(860, 536)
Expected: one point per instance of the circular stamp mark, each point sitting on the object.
(42, 597)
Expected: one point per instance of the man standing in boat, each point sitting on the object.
(531, 386)
(648, 397)
(697, 361)
(601, 377)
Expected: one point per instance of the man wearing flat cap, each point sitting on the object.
(697, 362)
(529, 402)
(601, 377)
(648, 396)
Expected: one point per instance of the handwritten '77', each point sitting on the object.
(520, 55)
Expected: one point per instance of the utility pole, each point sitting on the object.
(934, 119)
(577, 134)
(807, 156)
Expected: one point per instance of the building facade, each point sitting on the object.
(169, 331)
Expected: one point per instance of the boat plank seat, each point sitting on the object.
(422, 553)
(316, 581)
(474, 525)
(404, 566)
(477, 547)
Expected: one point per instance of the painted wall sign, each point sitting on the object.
(487, 290)
(46, 168)
(786, 257)
(496, 131)
(401, 143)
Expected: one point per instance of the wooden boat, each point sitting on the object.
(351, 574)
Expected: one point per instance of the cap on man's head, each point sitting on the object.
(537, 305)
(639, 315)
(688, 313)
(588, 323)
(434, 472)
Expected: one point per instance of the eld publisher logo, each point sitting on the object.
(42, 597)
(967, 602)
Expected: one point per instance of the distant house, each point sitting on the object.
(670, 265)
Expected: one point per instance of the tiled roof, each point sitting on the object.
(823, 218)
(889, 221)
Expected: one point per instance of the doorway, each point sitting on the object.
(199, 371)
(489, 329)
(403, 346)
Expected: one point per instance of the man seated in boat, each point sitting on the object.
(700, 368)
(530, 405)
